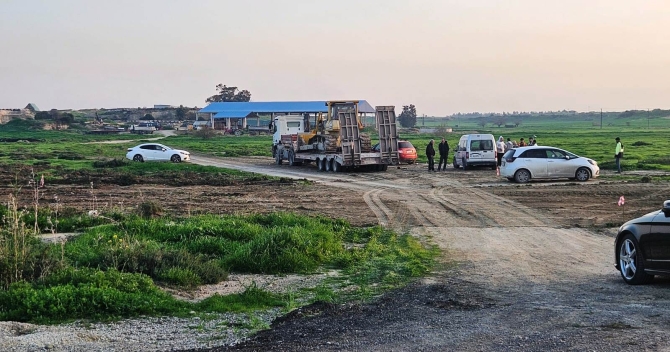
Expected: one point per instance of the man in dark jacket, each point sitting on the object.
(443, 148)
(430, 153)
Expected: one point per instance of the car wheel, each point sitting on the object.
(631, 262)
(522, 176)
(464, 164)
(138, 158)
(582, 174)
(175, 159)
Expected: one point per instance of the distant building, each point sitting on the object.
(164, 106)
(32, 108)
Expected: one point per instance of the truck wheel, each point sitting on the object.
(291, 157)
(319, 165)
(278, 157)
(329, 164)
(337, 167)
(238, 132)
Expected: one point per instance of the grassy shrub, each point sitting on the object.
(22, 255)
(86, 293)
(110, 163)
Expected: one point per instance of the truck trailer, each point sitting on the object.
(334, 141)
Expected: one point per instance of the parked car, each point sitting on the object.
(157, 152)
(406, 152)
(542, 162)
(476, 150)
(642, 247)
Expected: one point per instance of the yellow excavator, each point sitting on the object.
(342, 123)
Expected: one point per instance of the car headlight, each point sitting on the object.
(592, 162)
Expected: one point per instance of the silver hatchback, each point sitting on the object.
(542, 162)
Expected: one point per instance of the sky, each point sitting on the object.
(444, 56)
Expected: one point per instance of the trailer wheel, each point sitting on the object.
(329, 164)
(278, 157)
(321, 164)
(337, 167)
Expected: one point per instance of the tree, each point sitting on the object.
(482, 123)
(499, 121)
(226, 93)
(147, 117)
(517, 123)
(42, 115)
(408, 116)
(181, 112)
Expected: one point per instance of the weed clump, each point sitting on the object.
(110, 163)
(149, 209)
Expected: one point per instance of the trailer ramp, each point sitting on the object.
(388, 134)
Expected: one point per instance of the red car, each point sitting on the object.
(406, 152)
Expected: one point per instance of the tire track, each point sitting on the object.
(382, 212)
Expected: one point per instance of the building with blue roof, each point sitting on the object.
(229, 114)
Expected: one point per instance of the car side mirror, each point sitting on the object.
(666, 208)
(567, 157)
(163, 149)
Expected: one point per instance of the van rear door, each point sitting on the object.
(482, 149)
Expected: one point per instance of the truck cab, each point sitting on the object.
(287, 125)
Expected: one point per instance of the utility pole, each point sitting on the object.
(601, 118)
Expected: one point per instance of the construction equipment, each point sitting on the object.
(335, 141)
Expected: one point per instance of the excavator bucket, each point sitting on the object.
(388, 134)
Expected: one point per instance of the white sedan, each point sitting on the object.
(157, 152)
(541, 162)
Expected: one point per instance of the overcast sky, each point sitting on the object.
(444, 56)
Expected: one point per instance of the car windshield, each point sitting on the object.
(405, 145)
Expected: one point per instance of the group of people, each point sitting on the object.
(502, 146)
(443, 149)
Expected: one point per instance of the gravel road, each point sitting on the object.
(523, 280)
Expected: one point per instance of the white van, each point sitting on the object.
(476, 150)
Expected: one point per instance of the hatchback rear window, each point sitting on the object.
(509, 153)
(405, 145)
(483, 144)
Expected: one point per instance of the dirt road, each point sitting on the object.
(527, 279)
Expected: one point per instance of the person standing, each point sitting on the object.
(533, 140)
(522, 143)
(443, 149)
(500, 149)
(509, 145)
(430, 153)
(618, 154)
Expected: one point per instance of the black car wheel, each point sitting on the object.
(582, 174)
(138, 158)
(522, 176)
(175, 159)
(631, 262)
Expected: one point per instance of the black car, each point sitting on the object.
(642, 247)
